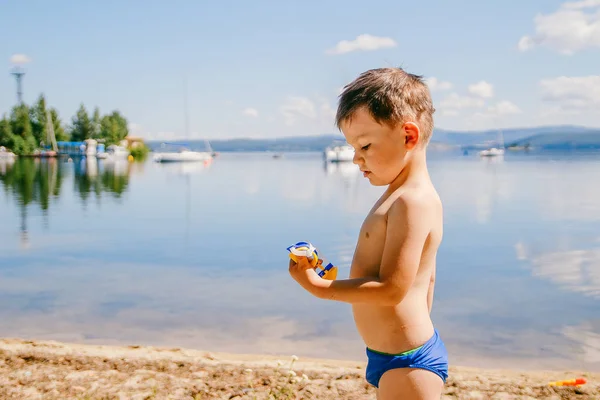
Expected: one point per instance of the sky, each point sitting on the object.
(265, 69)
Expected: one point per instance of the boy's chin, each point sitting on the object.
(374, 181)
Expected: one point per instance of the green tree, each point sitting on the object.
(6, 135)
(114, 128)
(81, 128)
(96, 124)
(23, 140)
(37, 117)
(59, 130)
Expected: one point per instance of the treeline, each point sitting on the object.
(25, 129)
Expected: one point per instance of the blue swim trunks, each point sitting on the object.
(431, 356)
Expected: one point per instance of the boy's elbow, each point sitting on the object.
(393, 294)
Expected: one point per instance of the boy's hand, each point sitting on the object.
(304, 273)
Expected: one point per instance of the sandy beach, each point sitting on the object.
(53, 370)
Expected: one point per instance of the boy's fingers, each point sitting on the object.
(302, 261)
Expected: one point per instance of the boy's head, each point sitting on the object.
(385, 114)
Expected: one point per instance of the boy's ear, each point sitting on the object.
(411, 135)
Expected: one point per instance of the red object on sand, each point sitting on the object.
(570, 382)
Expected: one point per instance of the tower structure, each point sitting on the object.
(18, 73)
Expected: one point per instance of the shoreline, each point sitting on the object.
(34, 369)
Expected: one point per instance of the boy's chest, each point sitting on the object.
(369, 249)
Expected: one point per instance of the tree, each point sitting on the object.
(59, 131)
(81, 128)
(23, 140)
(114, 128)
(26, 128)
(96, 124)
(37, 117)
(6, 135)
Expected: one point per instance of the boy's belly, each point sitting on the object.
(393, 329)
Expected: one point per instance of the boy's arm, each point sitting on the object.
(407, 231)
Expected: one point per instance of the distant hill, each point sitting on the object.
(480, 139)
(560, 141)
(549, 137)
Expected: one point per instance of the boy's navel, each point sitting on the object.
(367, 235)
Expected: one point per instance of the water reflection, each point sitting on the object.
(574, 269)
(94, 176)
(31, 181)
(193, 255)
(587, 339)
(39, 182)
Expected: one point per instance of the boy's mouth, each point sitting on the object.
(366, 173)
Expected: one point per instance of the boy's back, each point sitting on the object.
(386, 115)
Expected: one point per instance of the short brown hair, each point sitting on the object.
(392, 96)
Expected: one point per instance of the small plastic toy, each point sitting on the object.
(569, 382)
(306, 249)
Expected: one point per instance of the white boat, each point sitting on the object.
(90, 147)
(494, 151)
(114, 152)
(184, 155)
(339, 153)
(6, 154)
(491, 152)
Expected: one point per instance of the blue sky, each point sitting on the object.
(269, 69)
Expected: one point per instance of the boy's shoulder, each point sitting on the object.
(414, 204)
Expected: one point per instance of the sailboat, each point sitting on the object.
(494, 151)
(339, 152)
(184, 154)
(50, 137)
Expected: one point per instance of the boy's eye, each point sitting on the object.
(366, 147)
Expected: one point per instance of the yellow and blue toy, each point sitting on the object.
(306, 249)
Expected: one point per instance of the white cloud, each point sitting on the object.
(575, 93)
(166, 136)
(295, 107)
(250, 112)
(19, 59)
(489, 117)
(363, 42)
(578, 5)
(455, 102)
(573, 269)
(327, 111)
(482, 89)
(135, 129)
(435, 84)
(574, 27)
(504, 107)
(450, 113)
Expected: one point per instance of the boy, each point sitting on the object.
(387, 116)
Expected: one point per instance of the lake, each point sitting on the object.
(193, 255)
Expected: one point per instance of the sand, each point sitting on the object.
(53, 370)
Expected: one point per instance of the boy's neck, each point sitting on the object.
(415, 168)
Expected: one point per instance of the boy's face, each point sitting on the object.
(381, 151)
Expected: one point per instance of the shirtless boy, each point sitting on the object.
(387, 116)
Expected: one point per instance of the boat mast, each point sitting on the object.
(50, 130)
(185, 108)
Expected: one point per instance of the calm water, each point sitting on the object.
(194, 256)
